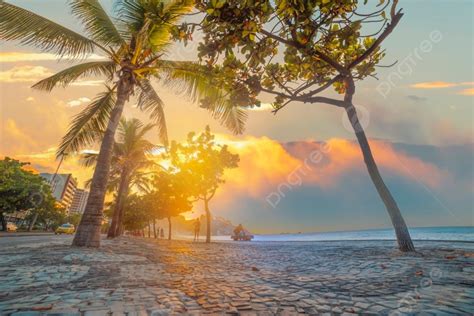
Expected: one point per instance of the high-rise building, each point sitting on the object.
(63, 188)
(79, 201)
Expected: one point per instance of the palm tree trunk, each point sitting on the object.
(114, 230)
(154, 228)
(208, 221)
(405, 243)
(169, 228)
(3, 221)
(88, 232)
(120, 228)
(33, 222)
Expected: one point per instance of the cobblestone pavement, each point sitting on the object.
(147, 277)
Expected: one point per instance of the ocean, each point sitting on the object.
(465, 234)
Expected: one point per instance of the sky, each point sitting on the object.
(418, 115)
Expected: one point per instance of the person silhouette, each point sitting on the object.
(197, 229)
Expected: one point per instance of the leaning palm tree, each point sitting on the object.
(134, 43)
(130, 156)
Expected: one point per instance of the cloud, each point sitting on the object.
(30, 99)
(45, 161)
(434, 85)
(43, 121)
(264, 162)
(340, 157)
(24, 74)
(444, 84)
(78, 101)
(447, 133)
(469, 91)
(14, 137)
(88, 83)
(29, 74)
(12, 57)
(267, 166)
(416, 98)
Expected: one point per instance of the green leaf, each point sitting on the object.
(196, 81)
(96, 22)
(149, 101)
(87, 126)
(17, 24)
(69, 75)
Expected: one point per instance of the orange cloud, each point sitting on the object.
(407, 166)
(339, 156)
(444, 84)
(13, 138)
(469, 91)
(266, 166)
(434, 85)
(263, 162)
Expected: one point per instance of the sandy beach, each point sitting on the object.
(135, 276)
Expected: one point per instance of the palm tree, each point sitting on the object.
(134, 44)
(129, 158)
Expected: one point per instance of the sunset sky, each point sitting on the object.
(419, 116)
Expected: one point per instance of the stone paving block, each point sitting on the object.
(209, 279)
(63, 312)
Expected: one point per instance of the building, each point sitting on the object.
(79, 201)
(63, 188)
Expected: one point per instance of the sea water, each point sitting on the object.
(419, 233)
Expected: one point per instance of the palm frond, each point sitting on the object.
(188, 78)
(96, 21)
(88, 159)
(141, 181)
(31, 29)
(71, 74)
(162, 14)
(231, 116)
(150, 102)
(196, 82)
(130, 13)
(87, 126)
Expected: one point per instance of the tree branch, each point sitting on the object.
(320, 89)
(317, 99)
(314, 52)
(390, 27)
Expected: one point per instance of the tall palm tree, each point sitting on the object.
(134, 44)
(130, 156)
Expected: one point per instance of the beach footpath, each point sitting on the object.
(137, 276)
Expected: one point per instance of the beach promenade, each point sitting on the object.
(134, 276)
